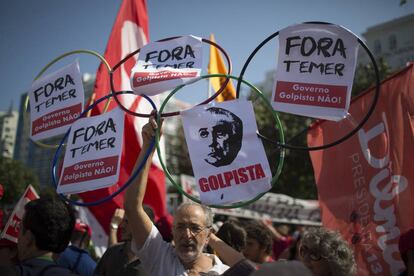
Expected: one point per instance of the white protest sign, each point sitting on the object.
(315, 71)
(56, 100)
(11, 230)
(228, 159)
(162, 66)
(93, 153)
(277, 207)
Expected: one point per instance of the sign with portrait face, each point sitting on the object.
(93, 153)
(162, 66)
(315, 71)
(229, 161)
(56, 100)
(12, 228)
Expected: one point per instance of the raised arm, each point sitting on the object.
(275, 234)
(139, 222)
(226, 253)
(116, 220)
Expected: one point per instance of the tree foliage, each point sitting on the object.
(365, 75)
(15, 177)
(296, 178)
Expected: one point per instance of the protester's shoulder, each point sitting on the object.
(9, 270)
(57, 270)
(115, 250)
(42, 267)
(243, 267)
(218, 266)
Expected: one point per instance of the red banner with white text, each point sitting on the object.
(12, 228)
(365, 184)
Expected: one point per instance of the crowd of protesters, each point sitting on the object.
(53, 242)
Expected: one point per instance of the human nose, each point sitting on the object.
(213, 143)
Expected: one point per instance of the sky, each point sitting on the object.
(32, 33)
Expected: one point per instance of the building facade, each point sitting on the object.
(393, 41)
(8, 128)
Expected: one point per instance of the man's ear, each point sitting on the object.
(30, 238)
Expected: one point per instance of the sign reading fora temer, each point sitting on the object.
(56, 101)
(93, 153)
(164, 65)
(315, 71)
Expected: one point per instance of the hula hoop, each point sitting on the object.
(281, 136)
(176, 112)
(352, 132)
(125, 185)
(26, 102)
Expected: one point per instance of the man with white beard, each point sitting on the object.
(191, 229)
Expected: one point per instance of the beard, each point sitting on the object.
(189, 252)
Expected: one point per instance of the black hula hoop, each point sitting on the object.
(176, 112)
(352, 132)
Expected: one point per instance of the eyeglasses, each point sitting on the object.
(195, 229)
(306, 252)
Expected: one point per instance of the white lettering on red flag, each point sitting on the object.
(364, 183)
(11, 230)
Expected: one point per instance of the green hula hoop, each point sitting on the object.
(278, 125)
(26, 102)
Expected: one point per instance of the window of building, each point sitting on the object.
(393, 42)
(377, 47)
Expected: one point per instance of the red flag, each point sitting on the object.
(11, 230)
(365, 184)
(129, 33)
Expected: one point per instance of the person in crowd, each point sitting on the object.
(292, 252)
(325, 252)
(46, 228)
(116, 221)
(8, 252)
(164, 225)
(76, 257)
(233, 234)
(119, 258)
(281, 238)
(406, 247)
(291, 268)
(258, 243)
(239, 265)
(191, 228)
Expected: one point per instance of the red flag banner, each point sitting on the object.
(11, 230)
(130, 32)
(364, 183)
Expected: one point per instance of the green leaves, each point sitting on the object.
(15, 177)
